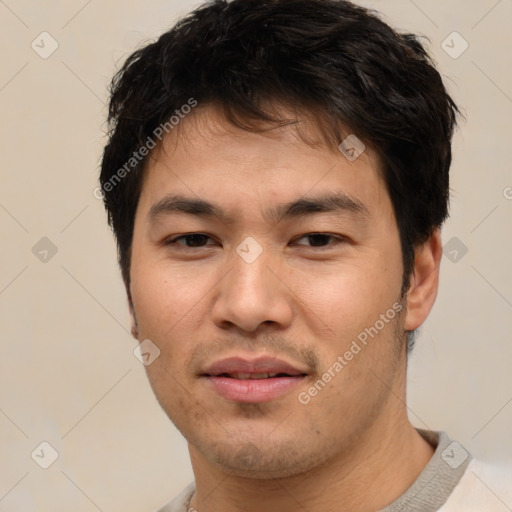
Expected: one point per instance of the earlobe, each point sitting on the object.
(133, 316)
(423, 288)
(134, 329)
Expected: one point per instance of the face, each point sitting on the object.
(271, 286)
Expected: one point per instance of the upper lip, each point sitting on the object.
(256, 366)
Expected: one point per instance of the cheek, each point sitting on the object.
(351, 296)
(165, 297)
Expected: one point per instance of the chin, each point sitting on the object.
(259, 460)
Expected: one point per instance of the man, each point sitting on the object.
(276, 177)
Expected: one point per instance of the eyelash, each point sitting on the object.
(337, 240)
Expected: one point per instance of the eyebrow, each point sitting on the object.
(338, 202)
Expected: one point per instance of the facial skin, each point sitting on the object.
(351, 445)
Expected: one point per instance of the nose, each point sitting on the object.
(251, 295)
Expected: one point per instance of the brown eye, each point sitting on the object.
(320, 239)
(190, 240)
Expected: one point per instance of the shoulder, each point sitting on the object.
(180, 502)
(483, 487)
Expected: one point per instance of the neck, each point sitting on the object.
(380, 465)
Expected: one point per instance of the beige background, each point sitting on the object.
(67, 371)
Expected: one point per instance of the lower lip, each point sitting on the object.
(252, 391)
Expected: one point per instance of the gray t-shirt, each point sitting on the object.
(428, 493)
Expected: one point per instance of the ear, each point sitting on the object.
(424, 281)
(135, 328)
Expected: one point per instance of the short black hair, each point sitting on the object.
(335, 60)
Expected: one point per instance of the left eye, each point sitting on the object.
(320, 239)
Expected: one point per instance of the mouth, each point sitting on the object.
(252, 381)
(254, 376)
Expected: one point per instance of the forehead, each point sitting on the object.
(299, 130)
(208, 157)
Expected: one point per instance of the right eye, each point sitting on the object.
(189, 240)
